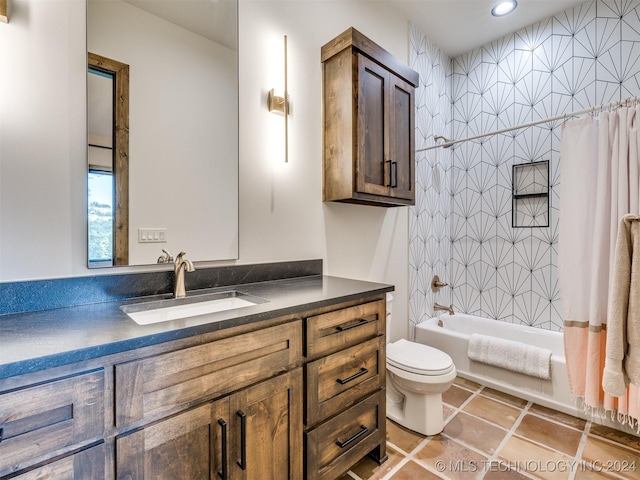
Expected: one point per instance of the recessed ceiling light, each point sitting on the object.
(504, 8)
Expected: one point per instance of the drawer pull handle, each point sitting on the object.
(363, 430)
(223, 427)
(242, 463)
(362, 371)
(342, 328)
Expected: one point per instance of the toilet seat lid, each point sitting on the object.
(418, 358)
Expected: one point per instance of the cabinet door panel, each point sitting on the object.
(272, 433)
(402, 131)
(373, 138)
(178, 447)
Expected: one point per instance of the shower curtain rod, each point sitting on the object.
(565, 116)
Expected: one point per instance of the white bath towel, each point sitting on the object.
(510, 355)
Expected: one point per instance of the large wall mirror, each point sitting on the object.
(162, 167)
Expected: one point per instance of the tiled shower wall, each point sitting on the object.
(586, 56)
(429, 223)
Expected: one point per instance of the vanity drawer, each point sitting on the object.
(332, 331)
(334, 446)
(50, 419)
(160, 385)
(336, 381)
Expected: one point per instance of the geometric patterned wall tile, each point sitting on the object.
(429, 242)
(582, 57)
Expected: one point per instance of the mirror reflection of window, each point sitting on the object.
(100, 215)
(100, 180)
(108, 138)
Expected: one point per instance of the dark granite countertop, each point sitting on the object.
(33, 341)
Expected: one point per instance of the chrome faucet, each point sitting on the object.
(437, 306)
(180, 266)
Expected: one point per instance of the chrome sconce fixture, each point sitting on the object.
(3, 11)
(280, 104)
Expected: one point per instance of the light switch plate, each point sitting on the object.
(152, 235)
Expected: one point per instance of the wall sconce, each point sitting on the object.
(280, 105)
(3, 11)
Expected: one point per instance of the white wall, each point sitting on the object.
(42, 140)
(282, 217)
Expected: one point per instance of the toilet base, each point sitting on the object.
(418, 412)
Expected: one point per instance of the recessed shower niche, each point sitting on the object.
(530, 195)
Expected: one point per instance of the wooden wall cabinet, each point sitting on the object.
(369, 123)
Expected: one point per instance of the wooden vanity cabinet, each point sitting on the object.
(299, 396)
(369, 123)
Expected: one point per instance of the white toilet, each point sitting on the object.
(417, 376)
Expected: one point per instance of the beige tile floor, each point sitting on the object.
(492, 435)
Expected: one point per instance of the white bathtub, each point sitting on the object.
(453, 338)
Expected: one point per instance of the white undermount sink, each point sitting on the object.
(178, 308)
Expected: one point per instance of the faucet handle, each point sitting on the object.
(166, 258)
(436, 284)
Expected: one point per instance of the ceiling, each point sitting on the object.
(455, 26)
(213, 19)
(458, 26)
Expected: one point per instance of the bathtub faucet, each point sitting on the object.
(437, 306)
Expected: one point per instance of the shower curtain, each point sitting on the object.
(600, 172)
